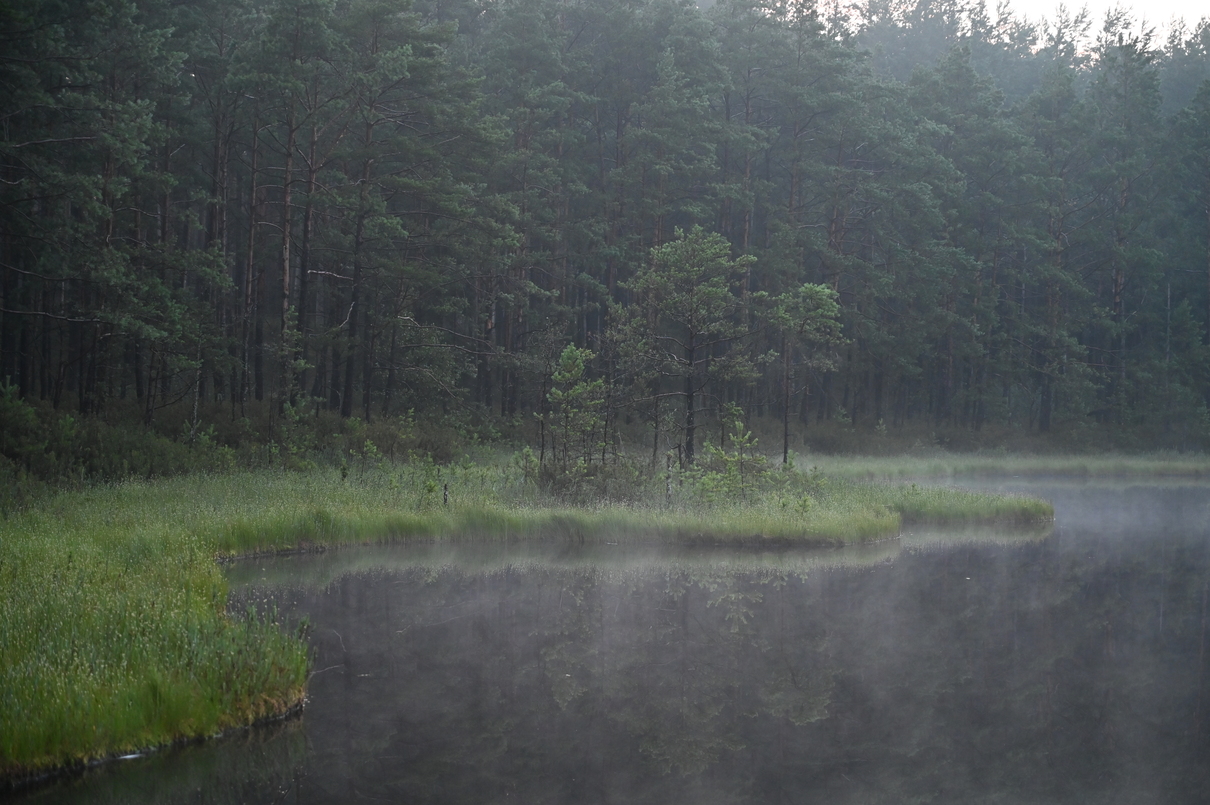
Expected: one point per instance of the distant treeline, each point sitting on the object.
(375, 207)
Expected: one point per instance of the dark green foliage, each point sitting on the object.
(686, 328)
(279, 211)
(41, 449)
(576, 419)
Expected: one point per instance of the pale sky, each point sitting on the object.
(1157, 13)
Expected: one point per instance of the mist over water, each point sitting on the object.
(943, 667)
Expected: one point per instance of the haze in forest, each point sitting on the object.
(588, 224)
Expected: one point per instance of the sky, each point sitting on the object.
(1157, 13)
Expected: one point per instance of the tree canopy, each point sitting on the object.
(913, 214)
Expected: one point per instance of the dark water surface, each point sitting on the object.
(965, 667)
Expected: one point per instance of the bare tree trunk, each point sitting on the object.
(287, 235)
(785, 401)
(690, 414)
(304, 261)
(346, 396)
(250, 284)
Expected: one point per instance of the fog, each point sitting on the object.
(1052, 666)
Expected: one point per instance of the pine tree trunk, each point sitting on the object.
(690, 414)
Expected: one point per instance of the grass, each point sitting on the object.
(114, 626)
(114, 637)
(941, 505)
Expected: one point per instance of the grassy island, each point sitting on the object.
(115, 633)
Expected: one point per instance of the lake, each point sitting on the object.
(1063, 665)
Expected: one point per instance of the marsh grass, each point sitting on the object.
(936, 505)
(114, 626)
(114, 635)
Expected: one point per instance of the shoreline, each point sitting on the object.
(16, 784)
(222, 518)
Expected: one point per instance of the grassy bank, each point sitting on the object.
(114, 637)
(114, 630)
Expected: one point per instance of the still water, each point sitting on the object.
(1051, 666)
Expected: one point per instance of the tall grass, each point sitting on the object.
(114, 630)
(938, 505)
(282, 511)
(114, 635)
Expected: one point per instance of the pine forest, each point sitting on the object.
(596, 223)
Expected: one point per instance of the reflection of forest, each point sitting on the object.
(1061, 670)
(948, 675)
(562, 685)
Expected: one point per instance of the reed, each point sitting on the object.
(115, 633)
(937, 505)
